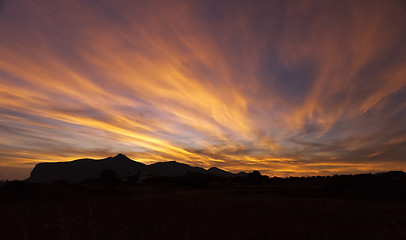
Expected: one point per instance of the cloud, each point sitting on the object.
(284, 87)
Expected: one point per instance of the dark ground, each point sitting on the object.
(173, 212)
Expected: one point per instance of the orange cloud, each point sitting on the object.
(287, 88)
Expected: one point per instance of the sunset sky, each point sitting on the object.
(290, 88)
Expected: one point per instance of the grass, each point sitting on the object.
(226, 213)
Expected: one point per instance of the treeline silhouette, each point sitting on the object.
(387, 185)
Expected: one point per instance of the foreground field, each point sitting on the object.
(218, 213)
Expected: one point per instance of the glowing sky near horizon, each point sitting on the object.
(284, 87)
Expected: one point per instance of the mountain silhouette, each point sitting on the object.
(85, 169)
(219, 172)
(171, 169)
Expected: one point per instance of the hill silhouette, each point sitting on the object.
(123, 167)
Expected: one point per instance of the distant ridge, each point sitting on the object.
(84, 169)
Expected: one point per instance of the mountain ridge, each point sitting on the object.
(84, 169)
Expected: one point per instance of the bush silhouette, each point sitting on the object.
(108, 177)
(255, 177)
